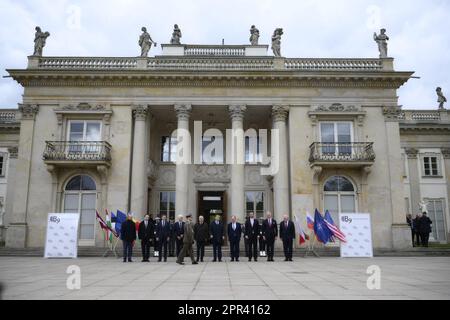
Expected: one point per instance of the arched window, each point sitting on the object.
(339, 196)
(80, 197)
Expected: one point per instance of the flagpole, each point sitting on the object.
(310, 247)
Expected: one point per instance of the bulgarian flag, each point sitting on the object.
(302, 235)
(309, 221)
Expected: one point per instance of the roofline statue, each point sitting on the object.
(441, 98)
(276, 42)
(176, 35)
(145, 42)
(382, 41)
(254, 36)
(39, 41)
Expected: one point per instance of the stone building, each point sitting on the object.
(96, 133)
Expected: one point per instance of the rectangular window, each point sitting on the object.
(2, 164)
(167, 204)
(436, 214)
(253, 149)
(87, 130)
(168, 149)
(431, 166)
(254, 202)
(336, 137)
(212, 150)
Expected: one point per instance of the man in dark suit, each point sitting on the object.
(287, 234)
(217, 237)
(146, 233)
(201, 236)
(163, 236)
(179, 233)
(188, 241)
(424, 229)
(234, 236)
(128, 236)
(251, 234)
(270, 234)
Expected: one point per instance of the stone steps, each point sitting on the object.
(323, 252)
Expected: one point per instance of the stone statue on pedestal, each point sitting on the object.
(145, 42)
(423, 206)
(176, 35)
(382, 40)
(276, 42)
(441, 98)
(39, 41)
(254, 36)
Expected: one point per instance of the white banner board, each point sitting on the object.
(358, 233)
(62, 235)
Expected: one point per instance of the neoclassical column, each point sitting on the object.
(413, 177)
(183, 112)
(446, 155)
(237, 165)
(139, 188)
(279, 153)
(16, 235)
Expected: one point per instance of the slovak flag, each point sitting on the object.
(309, 221)
(333, 228)
(302, 235)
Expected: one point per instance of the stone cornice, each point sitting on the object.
(356, 79)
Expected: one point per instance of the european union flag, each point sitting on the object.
(121, 217)
(323, 233)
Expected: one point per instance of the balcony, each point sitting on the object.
(76, 153)
(356, 154)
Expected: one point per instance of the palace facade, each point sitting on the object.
(96, 133)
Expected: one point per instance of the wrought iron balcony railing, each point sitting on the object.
(96, 151)
(342, 152)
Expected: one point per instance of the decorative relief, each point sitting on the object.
(337, 107)
(84, 106)
(28, 111)
(211, 173)
(393, 112)
(237, 112)
(253, 176)
(140, 112)
(13, 152)
(446, 153)
(412, 153)
(183, 111)
(167, 176)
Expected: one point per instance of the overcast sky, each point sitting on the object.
(419, 32)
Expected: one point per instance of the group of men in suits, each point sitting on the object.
(185, 233)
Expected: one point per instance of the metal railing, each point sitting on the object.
(77, 151)
(342, 152)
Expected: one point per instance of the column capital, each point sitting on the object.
(28, 111)
(140, 112)
(411, 153)
(280, 112)
(393, 113)
(446, 153)
(237, 111)
(183, 111)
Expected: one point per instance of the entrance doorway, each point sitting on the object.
(210, 204)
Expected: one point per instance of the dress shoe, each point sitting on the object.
(232, 260)
(129, 260)
(182, 263)
(124, 260)
(237, 260)
(250, 259)
(214, 260)
(195, 262)
(286, 259)
(201, 260)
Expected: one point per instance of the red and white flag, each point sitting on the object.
(301, 233)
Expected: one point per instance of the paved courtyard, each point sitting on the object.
(310, 278)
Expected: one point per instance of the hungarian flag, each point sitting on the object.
(104, 225)
(302, 235)
(333, 228)
(110, 232)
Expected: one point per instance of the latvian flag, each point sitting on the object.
(333, 228)
(302, 235)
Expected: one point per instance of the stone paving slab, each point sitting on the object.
(402, 278)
